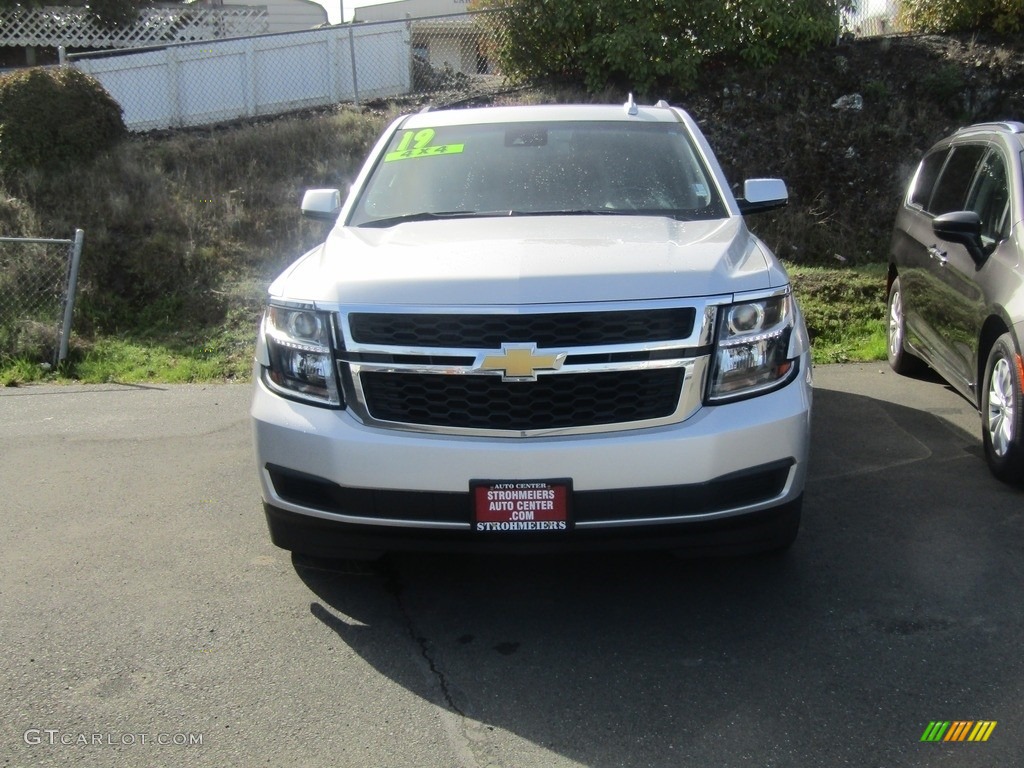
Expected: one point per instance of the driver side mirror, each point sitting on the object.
(761, 195)
(321, 204)
(963, 228)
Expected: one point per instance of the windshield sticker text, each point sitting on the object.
(417, 144)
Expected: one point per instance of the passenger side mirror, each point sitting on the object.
(963, 228)
(761, 195)
(321, 204)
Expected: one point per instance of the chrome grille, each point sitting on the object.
(598, 367)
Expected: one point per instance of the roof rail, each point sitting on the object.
(1010, 126)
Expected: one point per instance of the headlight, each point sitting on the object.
(757, 348)
(300, 363)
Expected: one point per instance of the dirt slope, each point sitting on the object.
(845, 128)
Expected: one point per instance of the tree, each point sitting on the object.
(1002, 16)
(650, 44)
(113, 14)
(108, 13)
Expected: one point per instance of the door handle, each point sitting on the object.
(939, 255)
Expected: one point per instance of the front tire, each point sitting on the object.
(1002, 412)
(900, 360)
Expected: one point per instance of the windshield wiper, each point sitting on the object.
(392, 221)
(420, 216)
(669, 214)
(441, 215)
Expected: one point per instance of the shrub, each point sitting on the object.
(1002, 16)
(54, 117)
(649, 46)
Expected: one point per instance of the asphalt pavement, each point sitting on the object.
(146, 619)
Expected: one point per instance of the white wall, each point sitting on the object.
(206, 83)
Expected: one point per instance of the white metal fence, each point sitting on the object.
(216, 81)
(38, 282)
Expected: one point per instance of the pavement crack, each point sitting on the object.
(394, 585)
(436, 671)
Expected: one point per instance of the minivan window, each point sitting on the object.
(951, 191)
(990, 198)
(924, 182)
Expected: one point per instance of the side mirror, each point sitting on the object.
(321, 204)
(964, 228)
(761, 195)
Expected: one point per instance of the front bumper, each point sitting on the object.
(332, 485)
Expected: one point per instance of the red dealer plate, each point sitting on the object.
(520, 505)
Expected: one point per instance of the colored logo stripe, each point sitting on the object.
(982, 730)
(958, 730)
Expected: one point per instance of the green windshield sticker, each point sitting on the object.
(417, 144)
(440, 149)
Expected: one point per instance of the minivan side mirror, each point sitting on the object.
(963, 228)
(321, 204)
(761, 195)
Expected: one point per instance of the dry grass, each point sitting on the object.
(173, 221)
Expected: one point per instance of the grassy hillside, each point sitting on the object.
(184, 230)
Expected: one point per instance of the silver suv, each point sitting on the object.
(542, 327)
(956, 280)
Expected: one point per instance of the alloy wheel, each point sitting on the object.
(1000, 416)
(895, 325)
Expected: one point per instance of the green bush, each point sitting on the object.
(653, 46)
(942, 16)
(54, 117)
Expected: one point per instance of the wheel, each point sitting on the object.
(900, 360)
(1002, 414)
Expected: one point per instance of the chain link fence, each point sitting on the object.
(175, 86)
(38, 279)
(871, 18)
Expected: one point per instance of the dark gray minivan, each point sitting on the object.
(956, 280)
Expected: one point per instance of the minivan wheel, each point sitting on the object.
(901, 361)
(1002, 414)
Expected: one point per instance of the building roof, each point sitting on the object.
(410, 9)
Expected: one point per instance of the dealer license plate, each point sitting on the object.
(518, 505)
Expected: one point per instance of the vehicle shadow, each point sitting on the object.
(841, 649)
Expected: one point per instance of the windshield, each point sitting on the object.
(581, 168)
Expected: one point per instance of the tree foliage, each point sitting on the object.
(942, 16)
(108, 13)
(650, 44)
(113, 14)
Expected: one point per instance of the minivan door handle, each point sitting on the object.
(939, 255)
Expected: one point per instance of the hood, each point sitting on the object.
(531, 260)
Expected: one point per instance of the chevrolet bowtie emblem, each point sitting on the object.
(521, 362)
